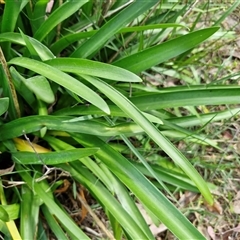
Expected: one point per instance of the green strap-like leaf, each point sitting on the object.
(174, 178)
(53, 224)
(29, 203)
(113, 184)
(62, 79)
(21, 88)
(41, 87)
(93, 68)
(113, 26)
(9, 19)
(62, 217)
(8, 90)
(133, 112)
(51, 158)
(42, 51)
(229, 95)
(31, 124)
(67, 40)
(60, 14)
(172, 98)
(155, 55)
(38, 14)
(84, 176)
(4, 102)
(144, 190)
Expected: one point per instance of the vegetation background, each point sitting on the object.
(119, 119)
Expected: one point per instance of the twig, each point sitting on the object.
(10, 83)
(191, 8)
(95, 217)
(48, 170)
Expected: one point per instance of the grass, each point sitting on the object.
(109, 108)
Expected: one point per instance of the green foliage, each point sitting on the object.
(70, 83)
(3, 105)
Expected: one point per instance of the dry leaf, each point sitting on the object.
(66, 185)
(187, 197)
(204, 231)
(226, 235)
(153, 228)
(227, 135)
(216, 207)
(156, 230)
(211, 233)
(24, 145)
(84, 211)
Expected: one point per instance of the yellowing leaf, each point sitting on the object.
(23, 145)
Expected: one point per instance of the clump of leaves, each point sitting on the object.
(72, 97)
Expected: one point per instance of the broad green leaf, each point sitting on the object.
(51, 158)
(8, 91)
(42, 51)
(21, 88)
(62, 79)
(187, 98)
(4, 102)
(3, 214)
(155, 55)
(60, 14)
(12, 37)
(172, 97)
(12, 210)
(36, 123)
(40, 86)
(112, 26)
(144, 190)
(133, 112)
(93, 68)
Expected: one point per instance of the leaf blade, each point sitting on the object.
(51, 158)
(144, 189)
(155, 55)
(93, 68)
(62, 79)
(60, 14)
(112, 27)
(133, 112)
(66, 221)
(4, 103)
